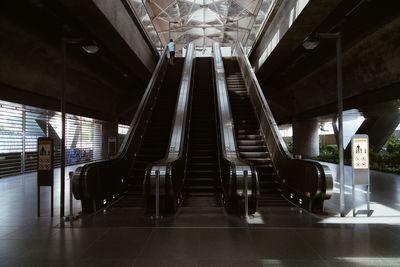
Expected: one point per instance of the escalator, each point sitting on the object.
(254, 139)
(251, 144)
(202, 183)
(155, 141)
(118, 182)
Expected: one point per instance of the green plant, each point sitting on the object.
(289, 146)
(387, 161)
(393, 145)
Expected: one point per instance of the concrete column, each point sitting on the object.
(306, 138)
(379, 127)
(110, 132)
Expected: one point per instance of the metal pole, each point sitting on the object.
(38, 200)
(340, 117)
(353, 196)
(169, 30)
(157, 194)
(23, 157)
(71, 208)
(62, 168)
(237, 31)
(52, 201)
(338, 38)
(368, 196)
(246, 196)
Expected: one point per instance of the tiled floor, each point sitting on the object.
(203, 237)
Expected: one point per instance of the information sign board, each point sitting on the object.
(45, 168)
(44, 155)
(360, 153)
(360, 164)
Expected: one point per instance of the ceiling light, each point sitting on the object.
(91, 49)
(310, 45)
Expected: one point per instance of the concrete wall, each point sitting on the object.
(286, 29)
(371, 64)
(119, 17)
(31, 72)
(287, 13)
(110, 133)
(105, 86)
(302, 84)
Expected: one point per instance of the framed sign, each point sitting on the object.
(360, 164)
(45, 162)
(45, 156)
(45, 169)
(360, 153)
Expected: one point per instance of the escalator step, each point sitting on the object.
(250, 141)
(249, 137)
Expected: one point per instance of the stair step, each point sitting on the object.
(202, 174)
(250, 142)
(252, 148)
(249, 137)
(254, 154)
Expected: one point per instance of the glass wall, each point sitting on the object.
(261, 17)
(21, 125)
(141, 13)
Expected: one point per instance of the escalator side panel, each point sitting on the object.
(116, 181)
(155, 141)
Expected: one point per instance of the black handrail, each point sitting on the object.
(100, 183)
(308, 183)
(170, 172)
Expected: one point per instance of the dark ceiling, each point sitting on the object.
(355, 20)
(44, 23)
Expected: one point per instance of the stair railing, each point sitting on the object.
(171, 170)
(239, 178)
(100, 183)
(307, 183)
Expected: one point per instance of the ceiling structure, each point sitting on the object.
(206, 21)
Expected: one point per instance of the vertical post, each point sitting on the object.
(368, 197)
(23, 156)
(340, 117)
(169, 30)
(38, 200)
(157, 194)
(52, 201)
(246, 196)
(71, 208)
(62, 156)
(353, 196)
(237, 31)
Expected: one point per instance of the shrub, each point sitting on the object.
(387, 161)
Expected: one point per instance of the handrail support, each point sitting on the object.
(157, 194)
(246, 196)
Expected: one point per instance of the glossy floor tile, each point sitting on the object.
(203, 237)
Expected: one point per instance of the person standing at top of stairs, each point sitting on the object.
(171, 50)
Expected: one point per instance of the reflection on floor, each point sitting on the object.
(384, 197)
(194, 237)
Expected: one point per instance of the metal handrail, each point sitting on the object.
(171, 169)
(100, 183)
(309, 182)
(143, 103)
(241, 173)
